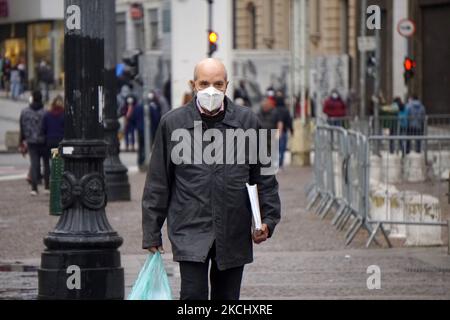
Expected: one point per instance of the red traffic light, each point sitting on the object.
(409, 64)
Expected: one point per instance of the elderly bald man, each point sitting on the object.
(209, 219)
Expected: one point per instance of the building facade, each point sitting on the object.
(32, 32)
(145, 25)
(261, 45)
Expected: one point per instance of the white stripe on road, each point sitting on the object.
(13, 177)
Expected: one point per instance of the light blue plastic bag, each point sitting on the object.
(152, 282)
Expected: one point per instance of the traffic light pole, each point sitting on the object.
(210, 23)
(116, 174)
(81, 260)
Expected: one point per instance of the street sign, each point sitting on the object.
(406, 28)
(367, 44)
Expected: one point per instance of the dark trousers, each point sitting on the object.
(141, 148)
(225, 285)
(283, 147)
(38, 152)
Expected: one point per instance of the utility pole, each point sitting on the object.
(116, 174)
(81, 260)
(362, 62)
(377, 82)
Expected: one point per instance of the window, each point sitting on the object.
(166, 21)
(154, 29)
(251, 10)
(120, 35)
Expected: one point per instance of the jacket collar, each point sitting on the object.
(230, 118)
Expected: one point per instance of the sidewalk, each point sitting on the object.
(306, 259)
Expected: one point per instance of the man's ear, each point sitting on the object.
(192, 84)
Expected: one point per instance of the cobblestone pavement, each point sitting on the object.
(306, 259)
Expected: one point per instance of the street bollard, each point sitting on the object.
(55, 183)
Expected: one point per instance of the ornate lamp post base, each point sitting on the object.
(98, 270)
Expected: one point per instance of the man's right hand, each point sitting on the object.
(156, 249)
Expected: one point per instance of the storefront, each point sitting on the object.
(32, 32)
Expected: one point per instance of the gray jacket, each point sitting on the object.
(203, 203)
(31, 124)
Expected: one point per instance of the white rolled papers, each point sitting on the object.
(254, 201)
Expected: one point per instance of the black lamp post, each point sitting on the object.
(82, 260)
(117, 185)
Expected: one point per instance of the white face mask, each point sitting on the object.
(210, 99)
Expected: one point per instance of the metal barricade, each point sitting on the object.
(378, 183)
(430, 125)
(339, 170)
(406, 195)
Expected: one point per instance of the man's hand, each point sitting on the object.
(23, 149)
(156, 249)
(259, 236)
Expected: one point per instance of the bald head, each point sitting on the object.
(210, 72)
(210, 67)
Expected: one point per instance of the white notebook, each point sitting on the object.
(254, 201)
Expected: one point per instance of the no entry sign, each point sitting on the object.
(406, 28)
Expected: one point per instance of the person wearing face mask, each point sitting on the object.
(206, 206)
(335, 109)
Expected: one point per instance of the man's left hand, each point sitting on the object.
(259, 236)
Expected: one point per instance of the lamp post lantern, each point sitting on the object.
(82, 260)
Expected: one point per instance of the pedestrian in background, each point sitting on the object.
(285, 126)
(242, 93)
(16, 83)
(402, 123)
(268, 115)
(137, 120)
(23, 77)
(6, 75)
(335, 108)
(33, 140)
(416, 114)
(45, 79)
(127, 112)
(53, 124)
(389, 120)
(155, 113)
